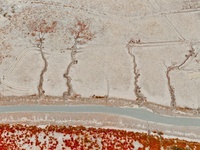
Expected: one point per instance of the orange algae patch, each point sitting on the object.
(81, 138)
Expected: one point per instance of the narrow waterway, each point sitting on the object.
(138, 113)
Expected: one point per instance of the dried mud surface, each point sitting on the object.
(133, 50)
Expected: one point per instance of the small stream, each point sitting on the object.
(138, 113)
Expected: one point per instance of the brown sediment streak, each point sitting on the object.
(81, 33)
(40, 85)
(70, 90)
(137, 91)
(69, 79)
(177, 67)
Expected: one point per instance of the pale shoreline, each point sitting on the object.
(100, 120)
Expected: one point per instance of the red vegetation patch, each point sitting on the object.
(18, 137)
(81, 31)
(42, 26)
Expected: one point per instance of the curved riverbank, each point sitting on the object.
(112, 102)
